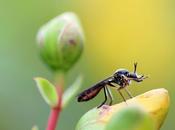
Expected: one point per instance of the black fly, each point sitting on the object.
(121, 77)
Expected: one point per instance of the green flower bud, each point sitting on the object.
(61, 42)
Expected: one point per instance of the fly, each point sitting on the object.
(121, 77)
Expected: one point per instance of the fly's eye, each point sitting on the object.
(127, 74)
(120, 72)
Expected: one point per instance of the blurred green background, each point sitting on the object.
(118, 33)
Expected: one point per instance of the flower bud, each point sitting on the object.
(61, 41)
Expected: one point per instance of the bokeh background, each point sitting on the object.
(118, 33)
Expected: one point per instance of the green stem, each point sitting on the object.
(59, 79)
(55, 112)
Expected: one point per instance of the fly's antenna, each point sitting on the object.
(135, 67)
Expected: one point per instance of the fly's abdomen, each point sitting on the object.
(89, 93)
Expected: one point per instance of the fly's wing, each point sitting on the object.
(93, 91)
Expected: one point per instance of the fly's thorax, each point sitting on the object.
(121, 77)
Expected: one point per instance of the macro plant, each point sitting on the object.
(60, 43)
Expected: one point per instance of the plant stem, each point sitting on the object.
(55, 112)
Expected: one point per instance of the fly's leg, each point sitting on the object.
(128, 92)
(110, 96)
(122, 96)
(105, 98)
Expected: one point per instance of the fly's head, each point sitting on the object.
(124, 76)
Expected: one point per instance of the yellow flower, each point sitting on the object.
(154, 102)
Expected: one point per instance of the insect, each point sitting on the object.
(121, 77)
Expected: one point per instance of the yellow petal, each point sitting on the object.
(155, 102)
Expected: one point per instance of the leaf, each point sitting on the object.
(71, 91)
(154, 102)
(47, 91)
(130, 118)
